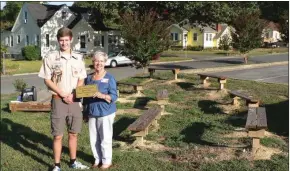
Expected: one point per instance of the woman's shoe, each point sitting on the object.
(105, 166)
(96, 165)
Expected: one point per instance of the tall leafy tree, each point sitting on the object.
(248, 32)
(273, 10)
(284, 26)
(145, 35)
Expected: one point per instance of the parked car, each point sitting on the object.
(118, 58)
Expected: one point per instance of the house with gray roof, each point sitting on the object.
(37, 24)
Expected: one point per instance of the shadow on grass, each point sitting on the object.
(141, 102)
(194, 132)
(201, 88)
(238, 120)
(228, 61)
(278, 118)
(209, 107)
(120, 126)
(169, 66)
(225, 54)
(186, 85)
(6, 108)
(23, 139)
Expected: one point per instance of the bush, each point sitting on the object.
(31, 53)
(176, 48)
(19, 84)
(195, 48)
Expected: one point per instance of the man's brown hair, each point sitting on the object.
(64, 31)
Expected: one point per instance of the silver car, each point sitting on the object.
(118, 58)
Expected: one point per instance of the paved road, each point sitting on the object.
(122, 72)
(272, 74)
(256, 59)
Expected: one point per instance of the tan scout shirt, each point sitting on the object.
(71, 68)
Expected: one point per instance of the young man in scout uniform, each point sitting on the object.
(63, 71)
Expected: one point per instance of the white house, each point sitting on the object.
(271, 32)
(37, 24)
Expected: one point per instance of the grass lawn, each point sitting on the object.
(195, 136)
(255, 52)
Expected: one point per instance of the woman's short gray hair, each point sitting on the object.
(99, 54)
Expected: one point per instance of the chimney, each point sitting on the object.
(218, 27)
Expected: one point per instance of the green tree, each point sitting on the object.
(145, 35)
(284, 26)
(248, 32)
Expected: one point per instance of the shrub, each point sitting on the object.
(31, 53)
(19, 84)
(176, 48)
(195, 48)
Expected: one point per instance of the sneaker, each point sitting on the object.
(79, 165)
(56, 168)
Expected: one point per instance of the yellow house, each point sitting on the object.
(195, 35)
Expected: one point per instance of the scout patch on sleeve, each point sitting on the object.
(104, 80)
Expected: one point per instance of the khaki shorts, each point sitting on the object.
(65, 114)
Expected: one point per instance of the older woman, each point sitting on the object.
(101, 110)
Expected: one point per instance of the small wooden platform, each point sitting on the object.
(137, 87)
(43, 103)
(29, 106)
(162, 99)
(256, 125)
(250, 101)
(175, 71)
(141, 126)
(204, 79)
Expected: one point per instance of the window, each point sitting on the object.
(7, 40)
(25, 17)
(37, 40)
(194, 36)
(103, 41)
(83, 41)
(96, 41)
(27, 40)
(208, 37)
(174, 36)
(11, 41)
(47, 40)
(18, 39)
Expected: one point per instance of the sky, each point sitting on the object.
(3, 3)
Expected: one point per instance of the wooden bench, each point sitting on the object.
(141, 126)
(175, 71)
(204, 79)
(137, 87)
(256, 125)
(162, 99)
(250, 101)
